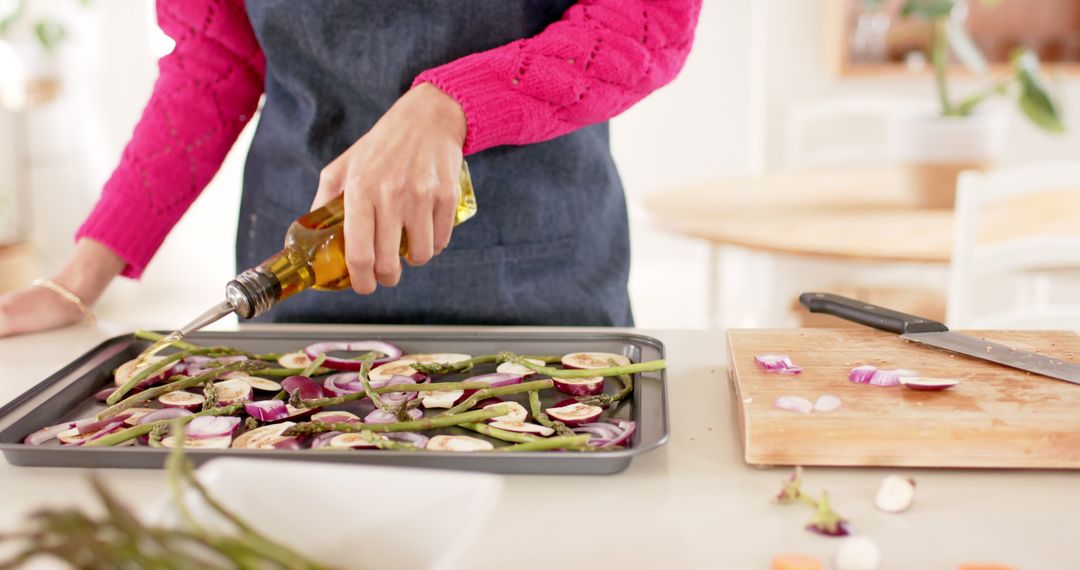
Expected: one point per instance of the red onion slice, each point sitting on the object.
(389, 352)
(398, 397)
(610, 432)
(104, 394)
(862, 374)
(84, 427)
(826, 403)
(206, 427)
(418, 440)
(309, 389)
(496, 379)
(342, 384)
(323, 439)
(47, 433)
(267, 410)
(381, 417)
(72, 437)
(165, 414)
(794, 404)
(777, 364)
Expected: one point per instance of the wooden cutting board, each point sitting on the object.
(995, 417)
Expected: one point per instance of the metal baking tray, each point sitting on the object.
(66, 395)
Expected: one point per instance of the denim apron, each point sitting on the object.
(549, 245)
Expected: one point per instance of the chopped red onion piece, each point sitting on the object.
(794, 404)
(398, 397)
(826, 403)
(862, 374)
(104, 394)
(773, 362)
(608, 433)
(323, 439)
(194, 365)
(890, 377)
(205, 427)
(389, 352)
(48, 433)
(309, 389)
(267, 410)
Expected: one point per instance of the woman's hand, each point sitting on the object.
(402, 174)
(36, 308)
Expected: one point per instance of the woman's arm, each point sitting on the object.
(598, 60)
(207, 90)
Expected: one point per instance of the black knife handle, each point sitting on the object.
(869, 315)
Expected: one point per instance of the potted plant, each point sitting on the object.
(963, 133)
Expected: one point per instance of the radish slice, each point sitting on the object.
(195, 443)
(437, 358)
(137, 414)
(611, 432)
(458, 443)
(126, 370)
(927, 384)
(165, 414)
(826, 403)
(299, 413)
(862, 374)
(896, 494)
(294, 360)
(589, 360)
(518, 369)
(232, 392)
(517, 413)
(342, 384)
(263, 437)
(335, 417)
(360, 440)
(857, 553)
(523, 427)
(267, 410)
(262, 384)
(575, 413)
(309, 389)
(381, 417)
(182, 399)
(794, 404)
(208, 427)
(441, 399)
(381, 375)
(389, 352)
(580, 386)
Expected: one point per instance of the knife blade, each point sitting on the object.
(932, 333)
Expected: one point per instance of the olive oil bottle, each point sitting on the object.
(313, 258)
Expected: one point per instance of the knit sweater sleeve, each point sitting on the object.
(600, 58)
(207, 90)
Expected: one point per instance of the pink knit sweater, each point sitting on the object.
(599, 59)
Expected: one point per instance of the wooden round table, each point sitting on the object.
(838, 214)
(770, 235)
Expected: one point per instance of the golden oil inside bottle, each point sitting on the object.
(314, 253)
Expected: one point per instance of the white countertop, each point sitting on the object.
(691, 504)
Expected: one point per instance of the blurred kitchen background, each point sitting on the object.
(800, 149)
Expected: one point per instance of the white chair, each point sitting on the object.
(1016, 248)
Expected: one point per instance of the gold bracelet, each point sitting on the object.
(67, 295)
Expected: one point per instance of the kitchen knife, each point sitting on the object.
(933, 333)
